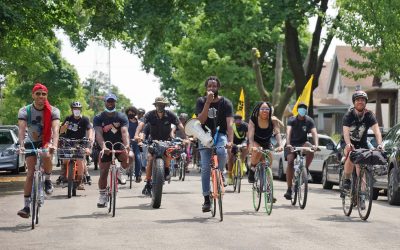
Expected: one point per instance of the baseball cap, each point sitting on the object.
(110, 96)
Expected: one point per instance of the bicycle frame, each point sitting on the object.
(263, 182)
(300, 177)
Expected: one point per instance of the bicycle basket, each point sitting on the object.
(158, 148)
(71, 149)
(367, 157)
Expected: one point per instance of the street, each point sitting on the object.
(179, 223)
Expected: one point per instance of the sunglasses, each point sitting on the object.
(265, 109)
(40, 93)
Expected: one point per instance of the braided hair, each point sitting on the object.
(256, 111)
(212, 78)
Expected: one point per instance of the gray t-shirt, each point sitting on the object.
(36, 125)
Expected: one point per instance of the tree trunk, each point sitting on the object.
(276, 93)
(265, 96)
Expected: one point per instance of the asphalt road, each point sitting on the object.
(179, 223)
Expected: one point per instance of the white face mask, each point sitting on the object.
(76, 112)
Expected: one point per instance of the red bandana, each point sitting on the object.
(46, 133)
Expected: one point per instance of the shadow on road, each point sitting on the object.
(18, 228)
(193, 220)
(145, 206)
(341, 218)
(95, 215)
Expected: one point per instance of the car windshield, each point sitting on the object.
(5, 138)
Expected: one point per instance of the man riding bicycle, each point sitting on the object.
(131, 113)
(239, 128)
(159, 122)
(356, 123)
(296, 136)
(112, 126)
(76, 126)
(179, 133)
(41, 121)
(214, 111)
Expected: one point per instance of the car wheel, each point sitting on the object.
(393, 193)
(325, 183)
(375, 194)
(281, 175)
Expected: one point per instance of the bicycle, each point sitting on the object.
(300, 178)
(361, 187)
(72, 150)
(180, 158)
(112, 184)
(237, 172)
(37, 194)
(263, 182)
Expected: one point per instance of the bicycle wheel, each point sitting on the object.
(131, 168)
(109, 191)
(257, 189)
(40, 196)
(114, 189)
(70, 172)
(158, 182)
(182, 172)
(294, 189)
(219, 189)
(239, 175)
(34, 197)
(364, 193)
(235, 176)
(347, 196)
(213, 200)
(268, 190)
(302, 190)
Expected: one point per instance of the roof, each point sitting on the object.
(343, 54)
(323, 81)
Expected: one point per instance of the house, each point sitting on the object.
(332, 97)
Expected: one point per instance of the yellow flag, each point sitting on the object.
(194, 116)
(305, 95)
(241, 108)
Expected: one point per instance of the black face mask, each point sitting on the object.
(131, 116)
(160, 108)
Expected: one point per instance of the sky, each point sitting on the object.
(126, 73)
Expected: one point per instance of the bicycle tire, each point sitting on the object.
(368, 193)
(34, 197)
(257, 189)
(219, 189)
(347, 197)
(213, 200)
(70, 172)
(239, 176)
(158, 182)
(131, 174)
(40, 195)
(302, 188)
(109, 191)
(294, 190)
(269, 190)
(235, 176)
(114, 190)
(182, 169)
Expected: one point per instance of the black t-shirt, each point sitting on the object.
(224, 109)
(263, 135)
(76, 127)
(111, 125)
(241, 131)
(132, 128)
(359, 126)
(160, 129)
(300, 128)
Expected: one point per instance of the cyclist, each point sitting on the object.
(76, 126)
(206, 107)
(41, 121)
(112, 126)
(356, 123)
(159, 122)
(131, 113)
(140, 114)
(143, 154)
(296, 136)
(262, 127)
(240, 129)
(183, 118)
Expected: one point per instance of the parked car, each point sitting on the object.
(9, 158)
(279, 164)
(332, 170)
(12, 127)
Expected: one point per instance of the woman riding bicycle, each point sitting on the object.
(262, 126)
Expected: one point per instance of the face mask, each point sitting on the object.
(110, 110)
(160, 109)
(302, 111)
(76, 112)
(131, 116)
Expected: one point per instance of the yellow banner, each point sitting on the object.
(305, 95)
(241, 108)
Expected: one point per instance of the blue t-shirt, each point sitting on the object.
(111, 125)
(132, 128)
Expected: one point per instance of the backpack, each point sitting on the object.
(28, 112)
(368, 157)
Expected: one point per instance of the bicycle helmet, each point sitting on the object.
(141, 110)
(358, 94)
(76, 104)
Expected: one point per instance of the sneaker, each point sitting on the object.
(230, 181)
(346, 184)
(81, 187)
(121, 179)
(60, 180)
(288, 194)
(138, 179)
(206, 207)
(251, 176)
(103, 199)
(147, 189)
(25, 212)
(48, 187)
(88, 180)
(166, 174)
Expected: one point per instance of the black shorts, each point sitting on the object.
(108, 158)
(32, 145)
